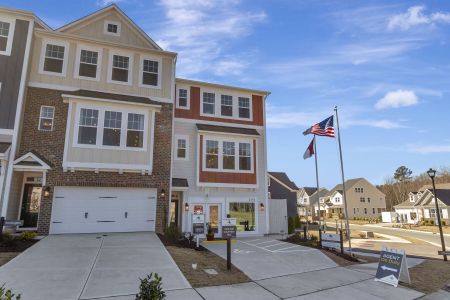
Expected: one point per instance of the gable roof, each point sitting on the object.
(112, 7)
(438, 186)
(284, 179)
(32, 159)
(310, 190)
(4, 147)
(323, 192)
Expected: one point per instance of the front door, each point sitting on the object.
(31, 203)
(214, 218)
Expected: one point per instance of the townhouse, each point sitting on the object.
(281, 187)
(111, 141)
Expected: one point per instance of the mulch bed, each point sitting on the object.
(16, 245)
(429, 276)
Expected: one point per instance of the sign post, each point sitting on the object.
(228, 232)
(392, 267)
(198, 226)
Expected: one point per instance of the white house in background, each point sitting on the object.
(304, 200)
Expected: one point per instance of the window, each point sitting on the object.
(183, 98)
(212, 154)
(120, 68)
(433, 212)
(359, 190)
(209, 101)
(111, 128)
(54, 58)
(373, 210)
(4, 35)
(244, 107)
(88, 64)
(413, 215)
(354, 210)
(46, 118)
(338, 199)
(150, 72)
(228, 155)
(379, 210)
(181, 148)
(245, 156)
(87, 131)
(112, 28)
(368, 199)
(226, 105)
(365, 211)
(362, 199)
(244, 214)
(135, 132)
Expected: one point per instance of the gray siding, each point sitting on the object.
(10, 75)
(277, 191)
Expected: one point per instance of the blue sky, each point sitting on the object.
(386, 64)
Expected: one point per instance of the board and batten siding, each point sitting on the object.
(90, 155)
(10, 75)
(103, 84)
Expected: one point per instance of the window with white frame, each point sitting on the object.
(112, 28)
(245, 156)
(135, 132)
(209, 103)
(88, 63)
(46, 117)
(87, 127)
(120, 68)
(244, 107)
(228, 158)
(54, 58)
(212, 154)
(433, 212)
(373, 210)
(183, 98)
(181, 148)
(226, 107)
(150, 69)
(112, 128)
(4, 35)
(365, 211)
(362, 200)
(368, 199)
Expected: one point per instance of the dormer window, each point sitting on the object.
(112, 28)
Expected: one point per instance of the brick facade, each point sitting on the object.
(50, 144)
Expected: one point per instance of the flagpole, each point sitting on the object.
(317, 179)
(343, 182)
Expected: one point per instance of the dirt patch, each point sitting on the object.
(185, 257)
(16, 245)
(429, 276)
(7, 256)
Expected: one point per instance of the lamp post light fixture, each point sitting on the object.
(186, 206)
(432, 174)
(261, 207)
(163, 193)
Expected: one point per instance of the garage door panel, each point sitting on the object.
(86, 209)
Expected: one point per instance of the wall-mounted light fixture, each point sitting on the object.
(261, 206)
(46, 191)
(186, 206)
(163, 193)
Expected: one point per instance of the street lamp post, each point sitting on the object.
(432, 174)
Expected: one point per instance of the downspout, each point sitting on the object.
(266, 167)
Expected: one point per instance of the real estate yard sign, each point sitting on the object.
(228, 228)
(392, 267)
(331, 240)
(198, 224)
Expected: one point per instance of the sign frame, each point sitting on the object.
(331, 240)
(392, 267)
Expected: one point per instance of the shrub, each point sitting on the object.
(28, 235)
(7, 237)
(432, 222)
(172, 233)
(298, 223)
(291, 225)
(151, 288)
(443, 223)
(8, 294)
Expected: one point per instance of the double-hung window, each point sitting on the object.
(212, 154)
(46, 117)
(226, 105)
(120, 68)
(54, 58)
(244, 107)
(245, 156)
(112, 128)
(4, 35)
(228, 159)
(209, 102)
(87, 128)
(150, 70)
(135, 132)
(182, 98)
(181, 148)
(88, 64)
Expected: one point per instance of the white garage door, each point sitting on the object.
(90, 209)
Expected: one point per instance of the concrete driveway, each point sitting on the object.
(91, 266)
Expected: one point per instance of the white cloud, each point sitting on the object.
(398, 98)
(415, 16)
(384, 124)
(429, 149)
(108, 2)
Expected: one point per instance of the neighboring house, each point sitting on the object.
(281, 187)
(16, 34)
(364, 200)
(219, 156)
(320, 200)
(103, 115)
(304, 200)
(421, 206)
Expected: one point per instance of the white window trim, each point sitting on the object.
(45, 42)
(12, 26)
(218, 104)
(100, 127)
(105, 27)
(220, 154)
(130, 55)
(181, 137)
(188, 104)
(77, 62)
(141, 71)
(40, 117)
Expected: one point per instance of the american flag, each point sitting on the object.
(324, 128)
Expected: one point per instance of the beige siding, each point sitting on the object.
(377, 200)
(103, 85)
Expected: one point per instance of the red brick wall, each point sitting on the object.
(51, 146)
